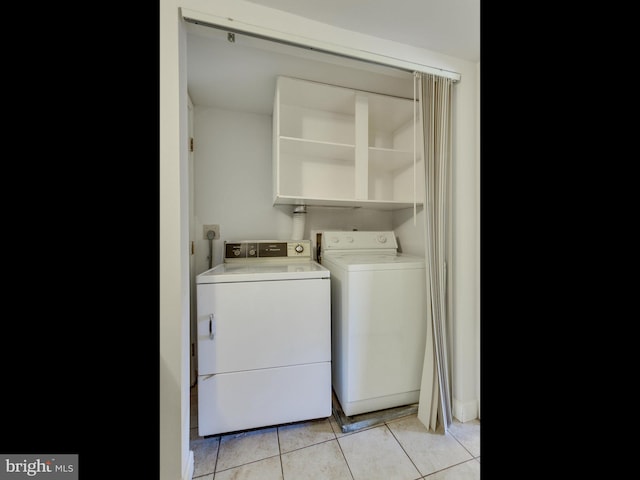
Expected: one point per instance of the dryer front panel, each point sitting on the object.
(255, 325)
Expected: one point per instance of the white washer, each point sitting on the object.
(379, 320)
(264, 337)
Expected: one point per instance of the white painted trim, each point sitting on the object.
(207, 19)
(188, 475)
(465, 411)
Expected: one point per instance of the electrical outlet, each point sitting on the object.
(214, 228)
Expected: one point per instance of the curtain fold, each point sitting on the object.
(435, 103)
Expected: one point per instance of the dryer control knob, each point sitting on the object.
(299, 248)
(382, 239)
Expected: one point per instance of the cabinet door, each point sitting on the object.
(252, 325)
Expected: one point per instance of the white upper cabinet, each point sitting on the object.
(336, 146)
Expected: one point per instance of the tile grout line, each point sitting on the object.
(345, 458)
(280, 452)
(215, 465)
(451, 466)
(405, 452)
(462, 445)
(244, 464)
(340, 446)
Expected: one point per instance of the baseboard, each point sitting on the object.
(465, 411)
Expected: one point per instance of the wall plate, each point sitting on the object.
(214, 228)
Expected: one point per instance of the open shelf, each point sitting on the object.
(337, 146)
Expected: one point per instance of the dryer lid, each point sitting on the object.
(262, 271)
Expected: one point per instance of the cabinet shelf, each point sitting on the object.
(341, 202)
(316, 149)
(388, 159)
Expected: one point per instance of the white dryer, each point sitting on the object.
(378, 318)
(264, 337)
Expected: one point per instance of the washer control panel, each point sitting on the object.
(267, 249)
(358, 240)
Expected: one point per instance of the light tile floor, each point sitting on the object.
(399, 449)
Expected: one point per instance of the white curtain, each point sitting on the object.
(435, 101)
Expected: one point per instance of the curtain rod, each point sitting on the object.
(229, 24)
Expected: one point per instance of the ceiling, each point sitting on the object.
(241, 75)
(451, 27)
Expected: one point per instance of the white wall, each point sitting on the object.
(175, 458)
(477, 243)
(465, 216)
(233, 187)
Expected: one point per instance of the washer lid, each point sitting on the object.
(372, 261)
(261, 272)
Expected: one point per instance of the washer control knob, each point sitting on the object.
(252, 253)
(299, 248)
(382, 239)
